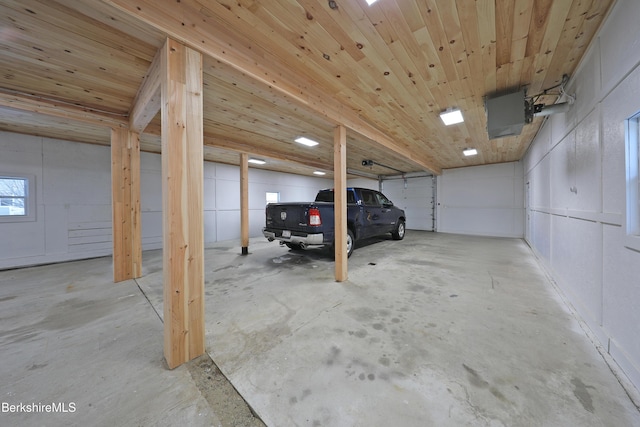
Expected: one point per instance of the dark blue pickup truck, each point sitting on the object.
(298, 225)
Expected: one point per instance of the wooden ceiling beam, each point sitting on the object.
(243, 147)
(68, 111)
(186, 22)
(147, 102)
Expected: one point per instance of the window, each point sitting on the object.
(369, 198)
(633, 183)
(327, 196)
(16, 198)
(382, 200)
(273, 197)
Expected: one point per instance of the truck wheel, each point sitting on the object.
(351, 243)
(398, 234)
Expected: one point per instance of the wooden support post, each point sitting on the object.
(182, 203)
(125, 204)
(340, 201)
(244, 202)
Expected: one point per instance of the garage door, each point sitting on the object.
(415, 197)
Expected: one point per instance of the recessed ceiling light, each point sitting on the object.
(319, 173)
(370, 2)
(451, 117)
(469, 151)
(257, 161)
(306, 141)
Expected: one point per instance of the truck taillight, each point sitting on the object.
(314, 217)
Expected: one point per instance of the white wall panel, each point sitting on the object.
(21, 241)
(70, 200)
(258, 194)
(577, 258)
(210, 227)
(557, 129)
(622, 103)
(540, 195)
(541, 234)
(256, 222)
(537, 152)
(151, 200)
(619, 43)
(228, 172)
(151, 229)
(563, 173)
(209, 193)
(56, 238)
(482, 200)
(621, 296)
(481, 221)
(22, 155)
(150, 183)
(587, 83)
(227, 194)
(581, 237)
(73, 200)
(228, 224)
(76, 174)
(588, 171)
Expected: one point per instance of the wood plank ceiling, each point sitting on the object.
(278, 69)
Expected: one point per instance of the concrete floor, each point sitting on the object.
(434, 330)
(69, 335)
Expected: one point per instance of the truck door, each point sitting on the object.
(387, 215)
(372, 211)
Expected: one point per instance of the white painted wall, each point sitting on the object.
(73, 200)
(580, 234)
(481, 200)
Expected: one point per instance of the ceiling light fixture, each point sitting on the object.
(319, 173)
(370, 2)
(257, 161)
(469, 151)
(306, 141)
(451, 116)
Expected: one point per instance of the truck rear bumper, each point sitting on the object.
(304, 240)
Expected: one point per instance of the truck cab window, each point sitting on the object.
(369, 198)
(382, 200)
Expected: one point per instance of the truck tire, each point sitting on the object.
(350, 244)
(293, 246)
(398, 233)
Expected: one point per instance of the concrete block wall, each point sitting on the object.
(481, 200)
(575, 184)
(73, 200)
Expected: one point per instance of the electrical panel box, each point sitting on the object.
(505, 114)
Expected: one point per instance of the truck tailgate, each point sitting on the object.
(287, 216)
